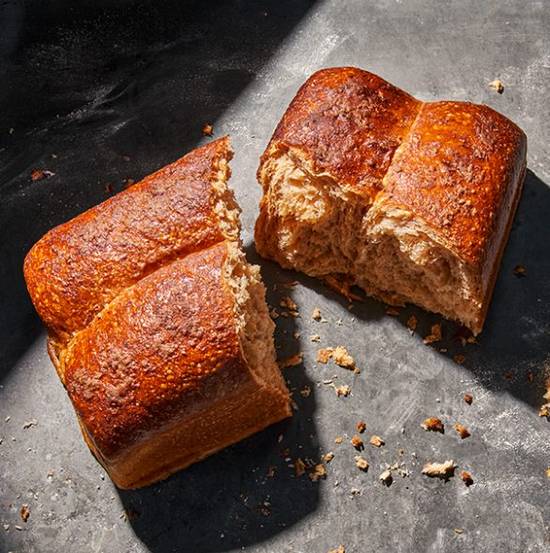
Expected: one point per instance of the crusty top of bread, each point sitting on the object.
(454, 171)
(156, 352)
(348, 122)
(80, 266)
(454, 165)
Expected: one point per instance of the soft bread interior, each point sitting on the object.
(322, 229)
(254, 325)
(225, 206)
(316, 219)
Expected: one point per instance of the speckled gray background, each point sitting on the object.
(99, 92)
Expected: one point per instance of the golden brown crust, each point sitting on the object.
(349, 123)
(157, 353)
(458, 170)
(81, 265)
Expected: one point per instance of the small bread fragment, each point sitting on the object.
(433, 424)
(443, 470)
(462, 431)
(376, 441)
(467, 478)
(361, 463)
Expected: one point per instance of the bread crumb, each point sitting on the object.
(28, 424)
(315, 338)
(544, 411)
(497, 86)
(392, 311)
(339, 549)
(318, 472)
(376, 441)
(435, 335)
(208, 129)
(468, 398)
(291, 361)
(548, 472)
(271, 471)
(361, 463)
(361, 426)
(466, 477)
(338, 440)
(299, 467)
(274, 313)
(316, 315)
(463, 432)
(459, 359)
(412, 323)
(386, 478)
(39, 174)
(357, 443)
(288, 303)
(24, 513)
(433, 424)
(440, 470)
(520, 271)
(458, 531)
(343, 390)
(327, 457)
(323, 355)
(342, 358)
(305, 391)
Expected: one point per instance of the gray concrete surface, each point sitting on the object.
(114, 92)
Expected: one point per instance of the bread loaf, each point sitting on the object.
(412, 201)
(158, 326)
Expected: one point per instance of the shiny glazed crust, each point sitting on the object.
(455, 168)
(144, 325)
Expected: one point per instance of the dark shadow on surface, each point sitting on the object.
(101, 92)
(247, 492)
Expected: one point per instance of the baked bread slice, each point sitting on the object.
(412, 201)
(158, 326)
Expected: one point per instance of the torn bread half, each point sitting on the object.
(411, 201)
(158, 326)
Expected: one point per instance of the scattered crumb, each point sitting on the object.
(28, 424)
(296, 334)
(392, 311)
(315, 338)
(458, 530)
(463, 432)
(316, 315)
(208, 129)
(439, 470)
(520, 271)
(274, 314)
(338, 440)
(435, 334)
(466, 477)
(323, 355)
(433, 424)
(361, 463)
(25, 513)
(509, 375)
(305, 391)
(343, 390)
(376, 441)
(291, 361)
(339, 549)
(108, 188)
(548, 472)
(288, 303)
(459, 359)
(530, 377)
(497, 86)
(544, 411)
(412, 323)
(357, 443)
(327, 457)
(271, 471)
(39, 174)
(399, 468)
(318, 472)
(468, 398)
(299, 467)
(386, 478)
(342, 358)
(361, 426)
